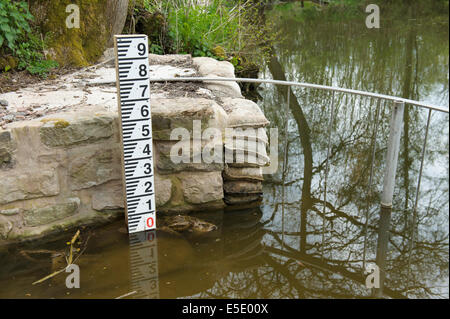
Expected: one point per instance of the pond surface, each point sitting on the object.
(298, 244)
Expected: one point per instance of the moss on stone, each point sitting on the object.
(77, 46)
(79, 131)
(61, 124)
(58, 123)
(8, 62)
(6, 148)
(219, 52)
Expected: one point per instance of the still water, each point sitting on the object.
(297, 244)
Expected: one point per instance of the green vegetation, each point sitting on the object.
(222, 29)
(181, 26)
(20, 46)
(31, 58)
(240, 31)
(14, 17)
(200, 29)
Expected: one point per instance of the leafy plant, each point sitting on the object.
(201, 28)
(14, 17)
(156, 49)
(230, 30)
(42, 68)
(185, 26)
(19, 40)
(32, 59)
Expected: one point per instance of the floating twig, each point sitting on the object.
(126, 295)
(71, 247)
(49, 276)
(69, 261)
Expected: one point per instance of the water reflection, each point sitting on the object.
(245, 258)
(234, 247)
(144, 265)
(403, 59)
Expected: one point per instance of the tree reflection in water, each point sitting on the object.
(404, 59)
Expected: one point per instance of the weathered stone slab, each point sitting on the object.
(251, 134)
(243, 173)
(240, 200)
(182, 158)
(199, 188)
(242, 187)
(173, 59)
(243, 113)
(170, 114)
(94, 167)
(108, 197)
(49, 214)
(27, 185)
(211, 66)
(163, 190)
(68, 130)
(246, 155)
(223, 89)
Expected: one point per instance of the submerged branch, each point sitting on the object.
(69, 261)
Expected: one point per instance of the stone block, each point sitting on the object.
(49, 214)
(182, 159)
(170, 114)
(209, 66)
(108, 197)
(242, 187)
(243, 173)
(246, 156)
(163, 190)
(21, 185)
(242, 200)
(93, 167)
(223, 89)
(202, 187)
(68, 131)
(243, 113)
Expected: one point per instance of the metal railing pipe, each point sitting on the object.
(306, 85)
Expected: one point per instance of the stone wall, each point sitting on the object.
(63, 169)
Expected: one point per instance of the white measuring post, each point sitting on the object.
(133, 91)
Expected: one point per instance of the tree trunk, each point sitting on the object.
(117, 13)
(98, 22)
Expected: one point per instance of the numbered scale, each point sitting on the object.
(133, 90)
(144, 265)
